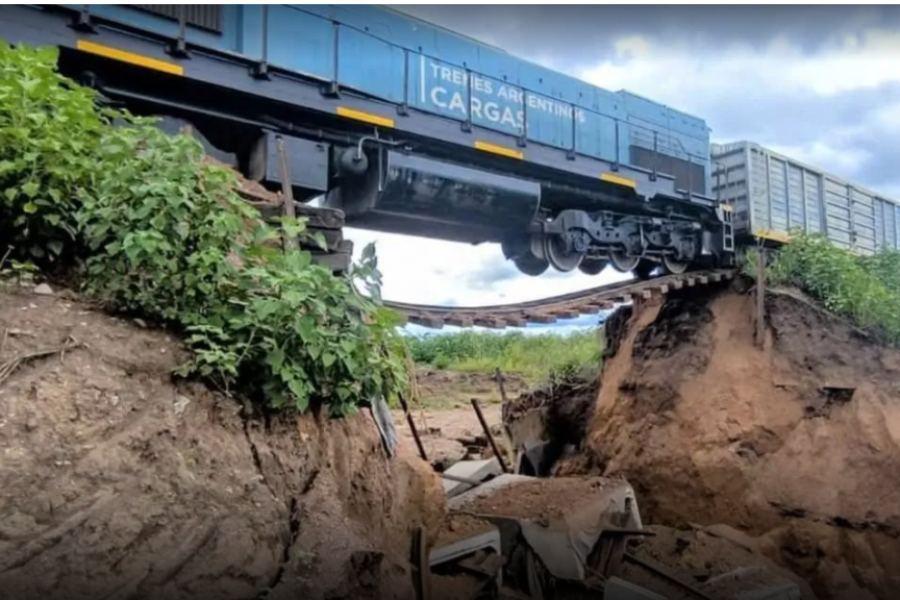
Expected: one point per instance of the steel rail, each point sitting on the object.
(552, 309)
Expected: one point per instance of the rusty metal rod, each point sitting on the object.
(415, 432)
(287, 190)
(412, 427)
(490, 438)
(666, 575)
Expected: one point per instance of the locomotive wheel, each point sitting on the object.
(559, 256)
(530, 264)
(675, 267)
(623, 263)
(592, 266)
(686, 253)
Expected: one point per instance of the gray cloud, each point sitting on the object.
(577, 35)
(845, 121)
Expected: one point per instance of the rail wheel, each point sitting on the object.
(592, 266)
(675, 267)
(686, 251)
(532, 265)
(624, 263)
(560, 256)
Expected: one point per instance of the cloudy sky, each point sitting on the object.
(818, 83)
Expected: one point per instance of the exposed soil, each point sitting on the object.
(560, 411)
(439, 389)
(450, 435)
(713, 563)
(542, 499)
(796, 443)
(459, 527)
(116, 482)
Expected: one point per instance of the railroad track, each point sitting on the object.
(550, 310)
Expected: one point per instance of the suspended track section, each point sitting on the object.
(550, 310)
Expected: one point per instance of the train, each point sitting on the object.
(410, 128)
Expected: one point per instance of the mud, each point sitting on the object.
(116, 482)
(795, 443)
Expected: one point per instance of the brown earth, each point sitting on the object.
(796, 443)
(720, 564)
(539, 499)
(559, 411)
(459, 527)
(439, 389)
(451, 434)
(116, 482)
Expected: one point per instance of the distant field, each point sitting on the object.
(535, 357)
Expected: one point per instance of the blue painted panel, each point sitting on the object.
(227, 40)
(444, 89)
(370, 65)
(301, 42)
(250, 32)
(645, 110)
(596, 137)
(462, 52)
(683, 123)
(371, 44)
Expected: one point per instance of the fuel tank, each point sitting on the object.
(407, 194)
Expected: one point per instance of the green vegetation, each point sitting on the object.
(148, 227)
(863, 289)
(536, 357)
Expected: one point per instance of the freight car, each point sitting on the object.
(410, 128)
(774, 195)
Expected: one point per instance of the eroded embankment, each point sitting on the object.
(796, 443)
(117, 483)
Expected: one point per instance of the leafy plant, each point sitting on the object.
(534, 356)
(49, 133)
(865, 289)
(158, 231)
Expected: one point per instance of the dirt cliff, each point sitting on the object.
(116, 482)
(795, 443)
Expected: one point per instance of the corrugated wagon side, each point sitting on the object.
(773, 195)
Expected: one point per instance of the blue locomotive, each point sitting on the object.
(410, 128)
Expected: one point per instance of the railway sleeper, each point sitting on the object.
(553, 309)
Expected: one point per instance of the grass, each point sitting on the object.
(535, 357)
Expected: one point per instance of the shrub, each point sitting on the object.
(157, 231)
(534, 356)
(864, 289)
